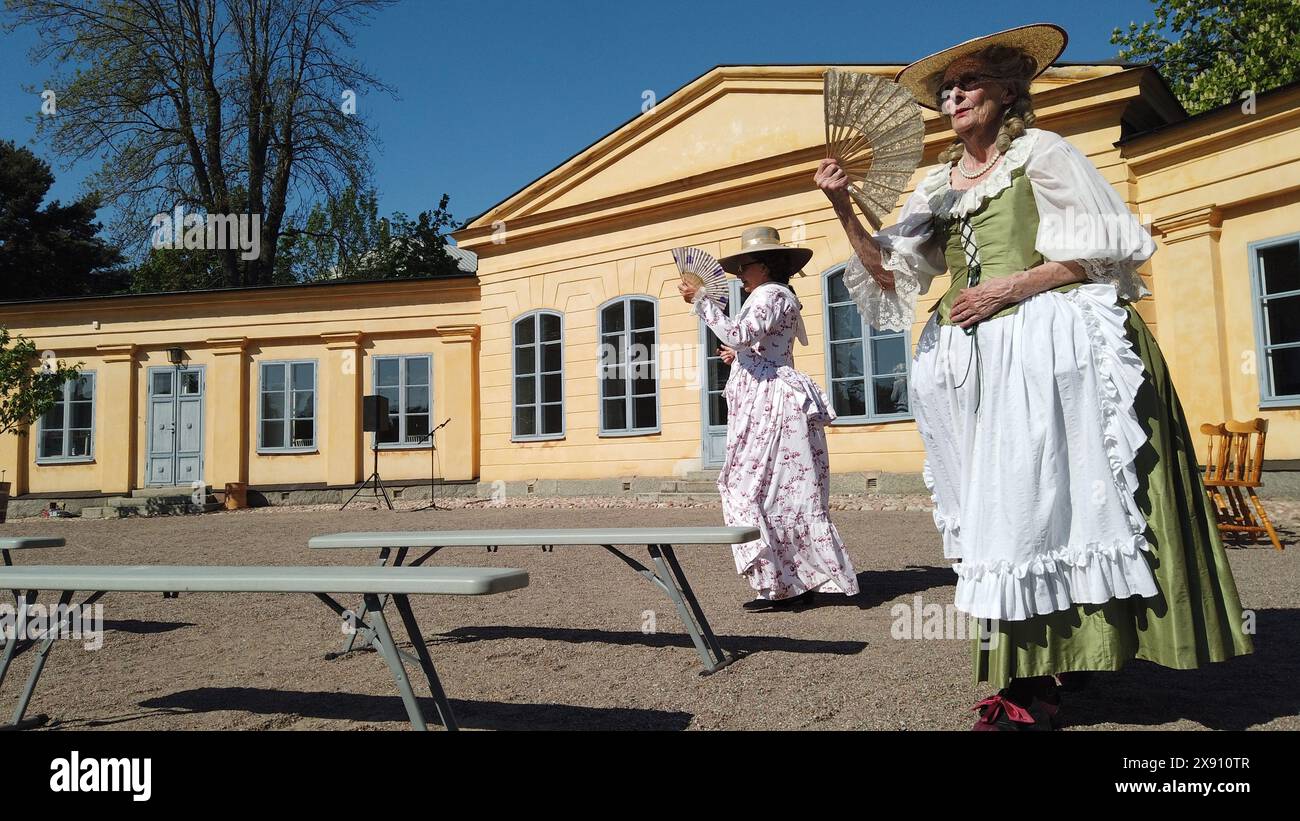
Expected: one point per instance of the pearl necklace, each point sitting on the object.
(970, 175)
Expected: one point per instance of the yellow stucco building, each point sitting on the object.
(568, 354)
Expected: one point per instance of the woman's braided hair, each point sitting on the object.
(1013, 69)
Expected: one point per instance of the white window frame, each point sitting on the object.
(288, 417)
(537, 374)
(401, 443)
(63, 458)
(1268, 397)
(653, 363)
(869, 376)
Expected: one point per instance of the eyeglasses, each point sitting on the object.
(966, 82)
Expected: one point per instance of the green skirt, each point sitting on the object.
(1195, 618)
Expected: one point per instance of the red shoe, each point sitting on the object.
(999, 713)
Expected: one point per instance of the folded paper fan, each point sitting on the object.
(699, 269)
(875, 130)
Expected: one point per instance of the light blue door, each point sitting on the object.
(175, 446)
(713, 447)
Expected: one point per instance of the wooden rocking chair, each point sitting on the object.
(1232, 472)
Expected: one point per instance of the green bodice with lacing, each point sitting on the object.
(1006, 228)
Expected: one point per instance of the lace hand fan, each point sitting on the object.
(702, 271)
(875, 130)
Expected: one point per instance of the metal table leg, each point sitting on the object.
(711, 654)
(692, 617)
(364, 627)
(388, 649)
(349, 644)
(11, 647)
(42, 653)
(689, 595)
(426, 663)
(9, 562)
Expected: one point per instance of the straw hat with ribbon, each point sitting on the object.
(1042, 42)
(763, 243)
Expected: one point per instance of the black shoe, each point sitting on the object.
(804, 599)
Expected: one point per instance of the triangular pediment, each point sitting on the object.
(720, 129)
(731, 116)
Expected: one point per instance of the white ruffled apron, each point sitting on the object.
(1058, 378)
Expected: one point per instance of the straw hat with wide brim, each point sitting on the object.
(1044, 42)
(764, 243)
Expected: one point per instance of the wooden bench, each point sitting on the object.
(667, 574)
(397, 583)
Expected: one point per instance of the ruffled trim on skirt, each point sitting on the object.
(816, 558)
(948, 524)
(1121, 375)
(1090, 574)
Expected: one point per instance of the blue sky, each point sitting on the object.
(494, 94)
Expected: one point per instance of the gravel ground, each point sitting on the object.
(589, 645)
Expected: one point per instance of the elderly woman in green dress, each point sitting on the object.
(1064, 478)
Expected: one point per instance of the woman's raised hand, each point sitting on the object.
(687, 292)
(834, 183)
(832, 179)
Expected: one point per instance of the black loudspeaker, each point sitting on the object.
(374, 414)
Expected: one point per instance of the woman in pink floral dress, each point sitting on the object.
(777, 471)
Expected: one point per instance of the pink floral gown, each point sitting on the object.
(777, 471)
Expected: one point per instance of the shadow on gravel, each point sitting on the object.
(480, 715)
(745, 645)
(1288, 535)
(144, 627)
(876, 587)
(1237, 694)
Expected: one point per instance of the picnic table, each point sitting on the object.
(667, 574)
(8, 543)
(395, 583)
(22, 600)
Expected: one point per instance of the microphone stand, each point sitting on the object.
(433, 456)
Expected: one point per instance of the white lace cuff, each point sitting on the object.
(1128, 283)
(892, 310)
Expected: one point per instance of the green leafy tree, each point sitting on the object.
(27, 392)
(182, 269)
(335, 237)
(420, 246)
(345, 238)
(1213, 53)
(48, 250)
(165, 269)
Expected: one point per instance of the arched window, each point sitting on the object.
(867, 369)
(629, 366)
(538, 386)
